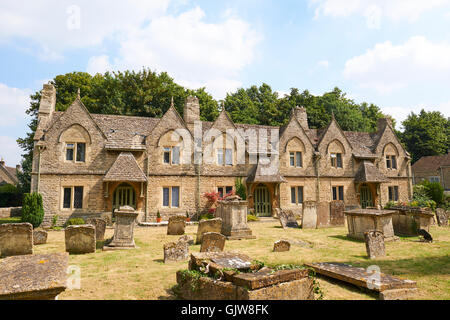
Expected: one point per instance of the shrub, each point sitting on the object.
(251, 217)
(74, 222)
(207, 216)
(33, 209)
(10, 196)
(241, 191)
(435, 191)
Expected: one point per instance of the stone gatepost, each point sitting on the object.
(233, 212)
(309, 220)
(124, 231)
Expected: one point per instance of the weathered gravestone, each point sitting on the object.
(287, 219)
(100, 227)
(442, 217)
(188, 239)
(80, 239)
(213, 225)
(16, 239)
(176, 226)
(124, 231)
(233, 212)
(39, 237)
(176, 251)
(375, 244)
(33, 277)
(213, 242)
(309, 219)
(281, 246)
(337, 217)
(323, 215)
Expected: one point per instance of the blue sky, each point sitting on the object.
(394, 53)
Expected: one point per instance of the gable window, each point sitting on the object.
(391, 162)
(336, 160)
(338, 193)
(73, 197)
(171, 155)
(171, 197)
(225, 157)
(297, 195)
(295, 159)
(393, 193)
(228, 190)
(78, 149)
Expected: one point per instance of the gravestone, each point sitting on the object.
(213, 242)
(176, 251)
(281, 246)
(233, 212)
(213, 225)
(288, 220)
(337, 217)
(33, 277)
(16, 239)
(124, 231)
(39, 237)
(80, 239)
(188, 239)
(375, 244)
(323, 215)
(309, 219)
(442, 217)
(176, 226)
(100, 227)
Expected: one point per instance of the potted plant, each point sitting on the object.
(158, 217)
(188, 218)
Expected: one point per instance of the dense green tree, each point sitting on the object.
(426, 134)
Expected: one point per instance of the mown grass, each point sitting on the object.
(141, 273)
(9, 220)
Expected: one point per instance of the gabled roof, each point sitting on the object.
(323, 132)
(431, 163)
(10, 172)
(367, 172)
(125, 168)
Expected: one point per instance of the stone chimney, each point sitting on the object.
(191, 112)
(18, 167)
(2, 162)
(47, 104)
(382, 123)
(302, 117)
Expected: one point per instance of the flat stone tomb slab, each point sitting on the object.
(33, 277)
(360, 277)
(233, 260)
(257, 280)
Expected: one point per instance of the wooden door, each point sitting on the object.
(263, 207)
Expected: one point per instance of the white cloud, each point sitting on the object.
(323, 63)
(194, 52)
(13, 103)
(58, 26)
(374, 10)
(388, 67)
(10, 151)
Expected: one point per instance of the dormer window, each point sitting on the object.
(76, 151)
(336, 160)
(171, 155)
(295, 159)
(391, 162)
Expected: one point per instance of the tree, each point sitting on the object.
(426, 134)
(33, 209)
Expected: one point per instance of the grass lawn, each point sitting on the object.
(9, 220)
(141, 273)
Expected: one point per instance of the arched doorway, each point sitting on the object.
(124, 195)
(262, 202)
(366, 198)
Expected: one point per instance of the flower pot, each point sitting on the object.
(158, 220)
(188, 219)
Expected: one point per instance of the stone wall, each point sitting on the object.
(10, 212)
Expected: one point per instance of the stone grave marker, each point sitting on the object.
(281, 246)
(176, 251)
(124, 231)
(16, 239)
(176, 226)
(337, 217)
(33, 277)
(442, 217)
(100, 227)
(39, 237)
(213, 225)
(287, 219)
(233, 212)
(213, 242)
(309, 219)
(188, 239)
(80, 239)
(375, 244)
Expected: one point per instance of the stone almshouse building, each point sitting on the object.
(88, 164)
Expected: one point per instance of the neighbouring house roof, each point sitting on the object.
(125, 168)
(8, 174)
(431, 163)
(368, 172)
(265, 173)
